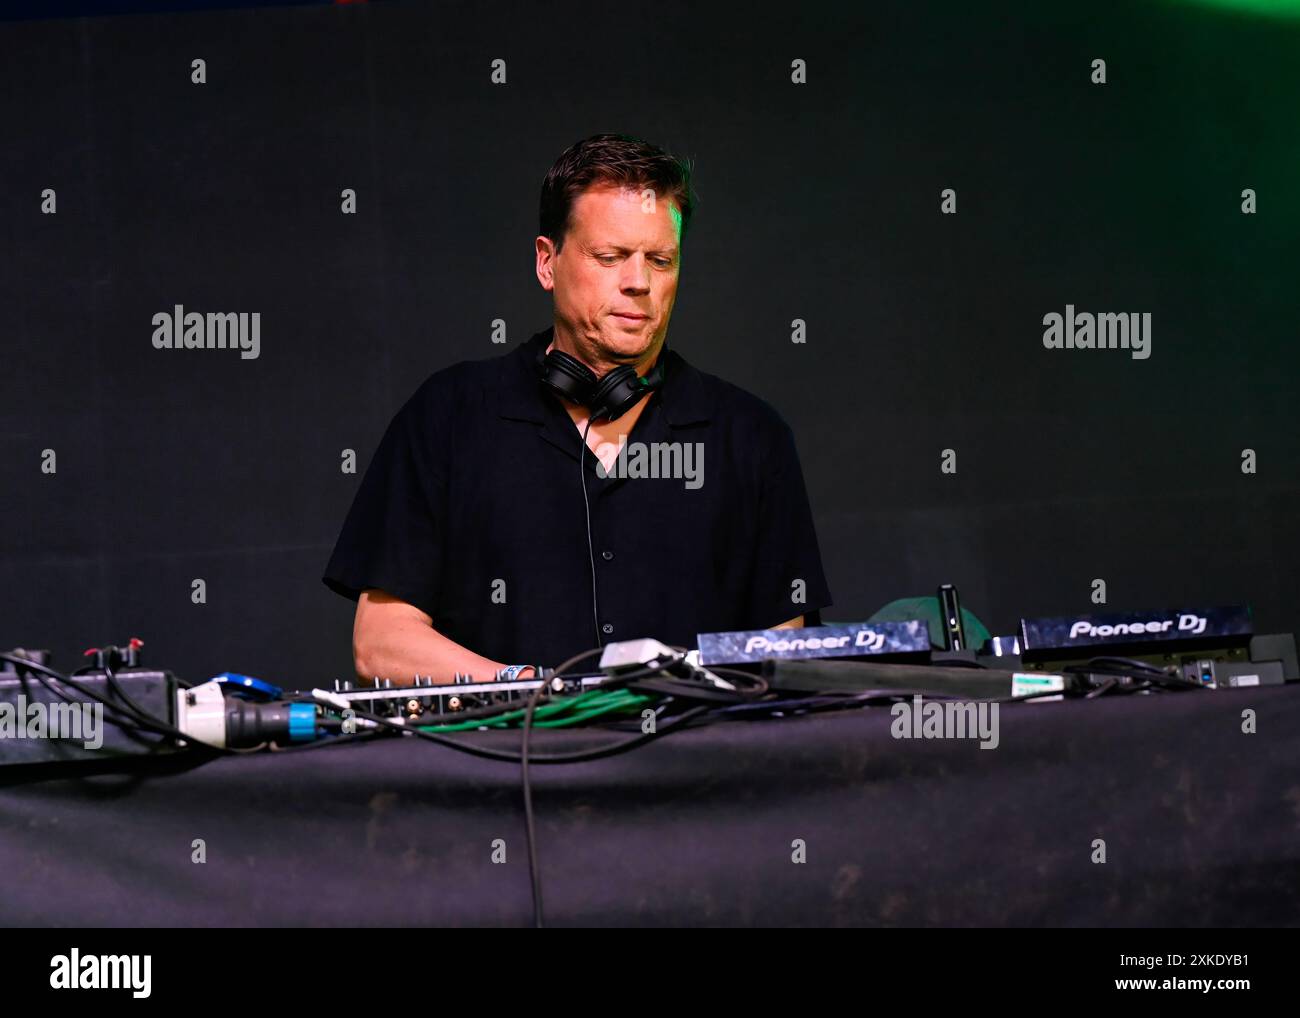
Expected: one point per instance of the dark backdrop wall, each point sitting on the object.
(819, 201)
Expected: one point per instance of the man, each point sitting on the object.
(499, 528)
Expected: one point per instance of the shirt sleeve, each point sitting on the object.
(392, 537)
(786, 551)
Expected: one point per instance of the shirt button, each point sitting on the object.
(607, 555)
(607, 629)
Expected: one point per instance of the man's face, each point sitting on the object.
(619, 260)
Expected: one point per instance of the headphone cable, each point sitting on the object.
(591, 553)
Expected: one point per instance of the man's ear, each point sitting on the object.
(545, 263)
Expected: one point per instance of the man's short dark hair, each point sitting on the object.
(612, 159)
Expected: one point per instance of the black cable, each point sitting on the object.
(695, 689)
(685, 690)
(534, 873)
(160, 724)
(530, 826)
(334, 740)
(563, 666)
(485, 713)
(1101, 689)
(127, 723)
(591, 553)
(40, 671)
(84, 669)
(758, 685)
(154, 725)
(1118, 666)
(123, 695)
(831, 700)
(814, 703)
(524, 758)
(629, 680)
(582, 756)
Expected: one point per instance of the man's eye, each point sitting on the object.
(663, 263)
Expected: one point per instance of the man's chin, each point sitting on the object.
(627, 342)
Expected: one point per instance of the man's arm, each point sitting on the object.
(795, 623)
(395, 640)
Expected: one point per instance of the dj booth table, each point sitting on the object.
(1201, 825)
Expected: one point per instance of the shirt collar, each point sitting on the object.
(683, 396)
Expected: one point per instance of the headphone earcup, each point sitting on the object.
(568, 377)
(607, 398)
(614, 394)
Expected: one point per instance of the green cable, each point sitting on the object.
(629, 703)
(593, 702)
(503, 720)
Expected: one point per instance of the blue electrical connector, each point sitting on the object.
(234, 684)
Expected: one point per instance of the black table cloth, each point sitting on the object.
(1200, 823)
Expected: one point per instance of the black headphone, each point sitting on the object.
(607, 398)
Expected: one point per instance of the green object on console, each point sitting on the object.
(906, 608)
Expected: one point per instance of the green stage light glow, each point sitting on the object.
(1265, 8)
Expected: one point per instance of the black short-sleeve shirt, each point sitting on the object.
(472, 511)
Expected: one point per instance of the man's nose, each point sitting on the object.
(636, 274)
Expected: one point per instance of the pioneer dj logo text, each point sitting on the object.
(1191, 625)
(946, 719)
(676, 460)
(1107, 331)
(867, 640)
(102, 972)
(181, 330)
